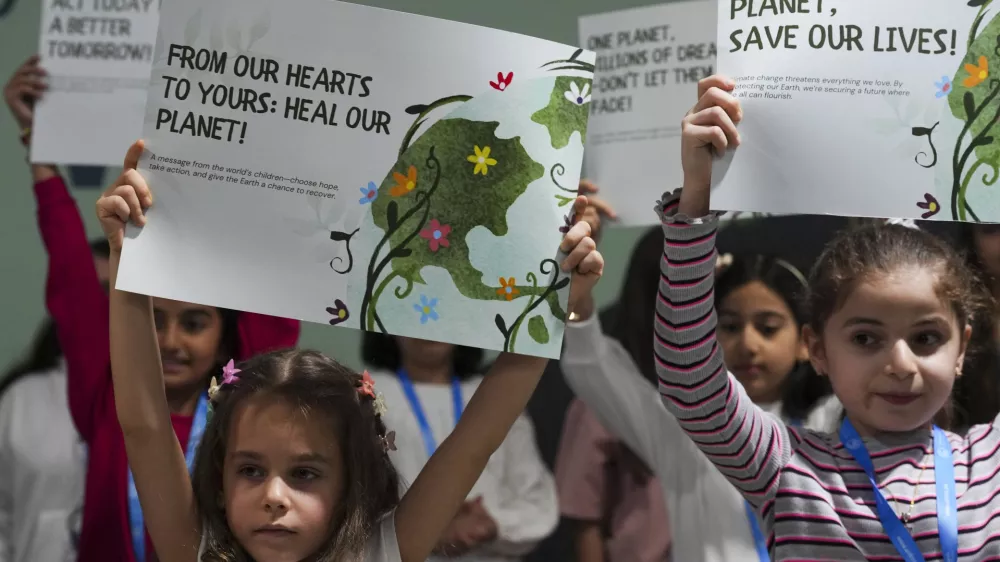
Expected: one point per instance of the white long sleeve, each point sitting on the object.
(707, 516)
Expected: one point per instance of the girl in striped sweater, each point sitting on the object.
(889, 325)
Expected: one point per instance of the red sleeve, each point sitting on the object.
(261, 334)
(77, 302)
(582, 465)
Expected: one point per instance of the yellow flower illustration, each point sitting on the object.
(977, 73)
(482, 160)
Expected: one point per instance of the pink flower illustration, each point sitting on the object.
(436, 235)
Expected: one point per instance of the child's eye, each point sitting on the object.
(251, 471)
(928, 339)
(768, 331)
(305, 474)
(729, 327)
(864, 339)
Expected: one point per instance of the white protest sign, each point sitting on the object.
(98, 54)
(305, 166)
(649, 62)
(857, 108)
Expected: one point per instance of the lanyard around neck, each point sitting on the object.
(136, 524)
(944, 482)
(418, 411)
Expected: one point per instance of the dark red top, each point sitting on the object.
(79, 308)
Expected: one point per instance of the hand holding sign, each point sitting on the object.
(710, 127)
(23, 89)
(127, 198)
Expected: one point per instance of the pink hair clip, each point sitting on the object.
(367, 387)
(229, 372)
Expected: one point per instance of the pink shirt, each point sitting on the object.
(600, 479)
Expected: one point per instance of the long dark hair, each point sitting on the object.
(976, 394)
(381, 351)
(632, 318)
(44, 351)
(802, 389)
(313, 384)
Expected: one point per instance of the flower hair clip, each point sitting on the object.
(367, 388)
(229, 372)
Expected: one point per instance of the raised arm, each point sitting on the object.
(445, 481)
(747, 445)
(73, 295)
(154, 455)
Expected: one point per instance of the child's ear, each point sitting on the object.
(960, 360)
(814, 350)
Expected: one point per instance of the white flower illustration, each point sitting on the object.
(577, 96)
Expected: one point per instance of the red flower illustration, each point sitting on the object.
(502, 81)
(436, 235)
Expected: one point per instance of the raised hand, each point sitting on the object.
(126, 199)
(708, 129)
(24, 88)
(582, 257)
(596, 210)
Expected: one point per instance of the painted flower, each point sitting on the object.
(426, 309)
(502, 81)
(482, 160)
(436, 235)
(930, 204)
(404, 184)
(369, 193)
(339, 312)
(943, 87)
(567, 224)
(578, 96)
(508, 288)
(977, 73)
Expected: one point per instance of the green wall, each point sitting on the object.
(22, 259)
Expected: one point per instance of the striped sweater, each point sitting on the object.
(814, 499)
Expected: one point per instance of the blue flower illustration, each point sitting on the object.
(370, 193)
(943, 87)
(426, 309)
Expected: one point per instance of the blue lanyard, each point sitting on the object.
(759, 542)
(944, 482)
(135, 520)
(418, 410)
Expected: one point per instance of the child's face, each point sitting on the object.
(760, 340)
(892, 351)
(283, 477)
(189, 337)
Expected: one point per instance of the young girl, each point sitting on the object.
(759, 298)
(513, 504)
(295, 462)
(193, 340)
(889, 311)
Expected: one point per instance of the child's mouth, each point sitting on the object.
(898, 399)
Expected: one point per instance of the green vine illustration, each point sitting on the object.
(456, 176)
(974, 100)
(547, 267)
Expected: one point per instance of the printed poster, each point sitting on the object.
(305, 166)
(876, 109)
(98, 54)
(649, 62)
